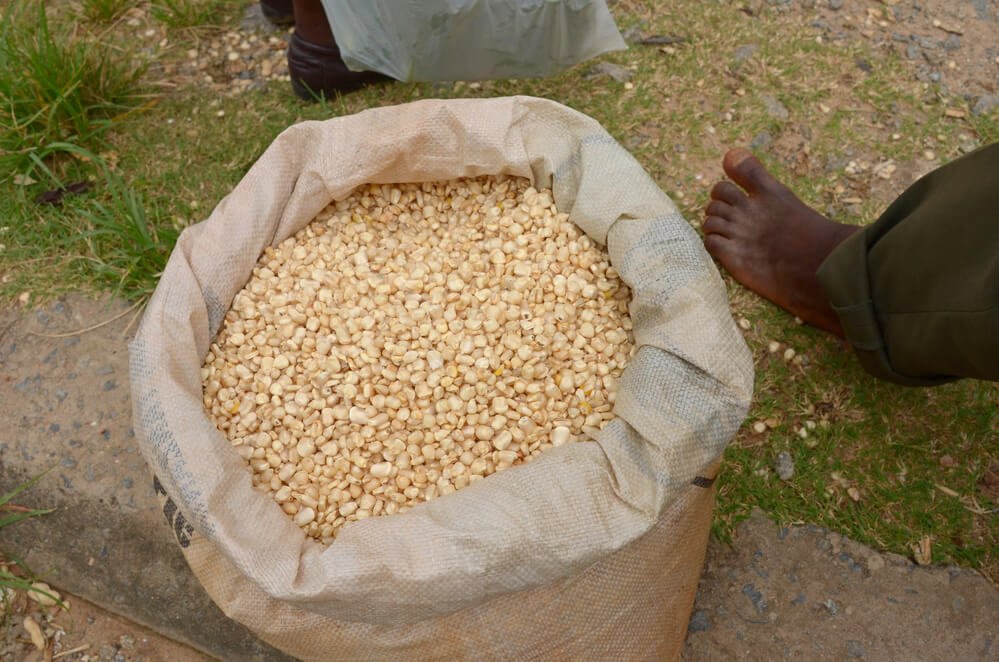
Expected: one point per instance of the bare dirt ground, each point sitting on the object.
(950, 49)
(950, 43)
(83, 632)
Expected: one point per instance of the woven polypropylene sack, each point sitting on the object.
(594, 546)
(430, 40)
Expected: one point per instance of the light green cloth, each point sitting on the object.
(445, 40)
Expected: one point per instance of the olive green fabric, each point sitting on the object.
(918, 290)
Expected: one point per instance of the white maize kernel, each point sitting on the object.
(467, 339)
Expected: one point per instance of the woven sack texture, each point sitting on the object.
(593, 549)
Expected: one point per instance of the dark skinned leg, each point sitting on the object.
(771, 241)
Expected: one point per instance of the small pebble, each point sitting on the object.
(756, 597)
(773, 347)
(855, 649)
(784, 466)
(788, 354)
(759, 427)
(699, 621)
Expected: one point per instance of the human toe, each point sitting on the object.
(728, 192)
(717, 246)
(721, 209)
(747, 171)
(716, 225)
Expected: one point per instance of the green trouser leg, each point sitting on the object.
(918, 291)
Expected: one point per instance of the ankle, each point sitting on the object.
(311, 23)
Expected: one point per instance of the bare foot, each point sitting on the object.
(771, 241)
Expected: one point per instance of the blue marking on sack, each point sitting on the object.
(166, 455)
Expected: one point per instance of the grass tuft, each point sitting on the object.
(105, 11)
(22, 579)
(56, 85)
(110, 235)
(179, 14)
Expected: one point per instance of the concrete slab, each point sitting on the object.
(64, 405)
(777, 593)
(806, 593)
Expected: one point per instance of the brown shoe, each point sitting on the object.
(278, 12)
(318, 69)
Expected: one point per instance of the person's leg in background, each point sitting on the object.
(278, 12)
(916, 293)
(314, 61)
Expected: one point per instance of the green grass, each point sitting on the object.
(57, 85)
(169, 166)
(21, 579)
(108, 236)
(105, 11)
(188, 13)
(886, 442)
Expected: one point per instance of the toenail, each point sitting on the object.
(739, 154)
